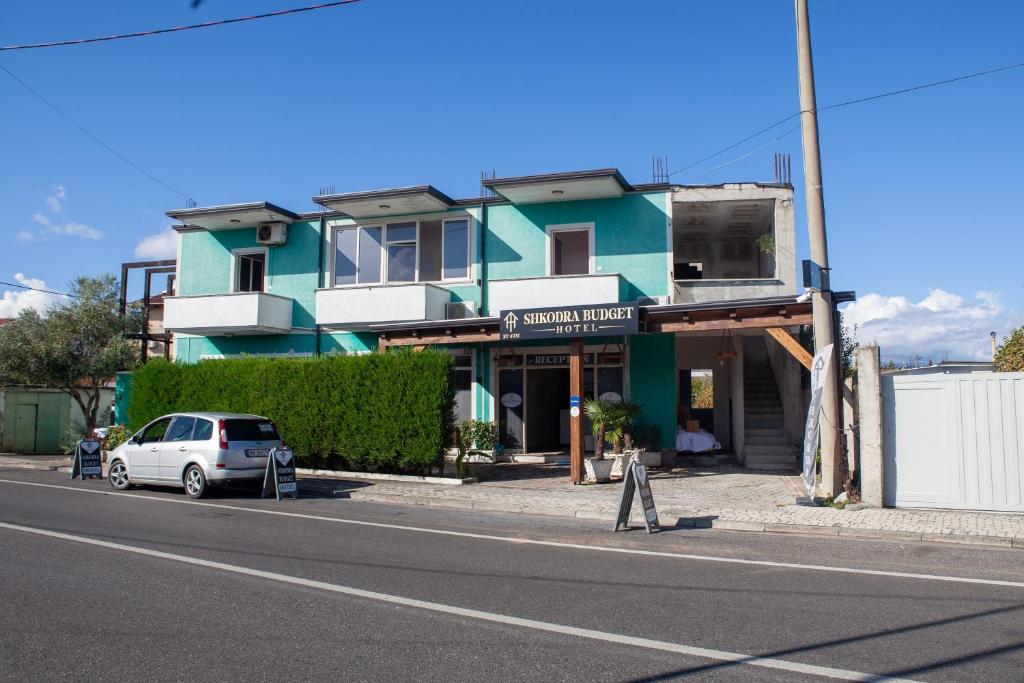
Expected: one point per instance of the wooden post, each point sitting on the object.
(576, 423)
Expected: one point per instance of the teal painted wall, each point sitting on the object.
(630, 238)
(291, 268)
(652, 381)
(192, 349)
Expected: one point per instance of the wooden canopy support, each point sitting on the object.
(449, 336)
(713, 319)
(790, 343)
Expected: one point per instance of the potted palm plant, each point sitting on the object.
(601, 415)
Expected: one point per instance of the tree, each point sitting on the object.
(76, 347)
(1010, 354)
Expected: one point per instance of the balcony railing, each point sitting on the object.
(555, 290)
(358, 307)
(228, 314)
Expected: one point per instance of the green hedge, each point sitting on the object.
(388, 412)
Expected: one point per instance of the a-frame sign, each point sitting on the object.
(87, 461)
(279, 481)
(636, 478)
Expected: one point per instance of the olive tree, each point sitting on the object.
(76, 346)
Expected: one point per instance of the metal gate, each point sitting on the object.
(954, 441)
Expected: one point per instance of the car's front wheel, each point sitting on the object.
(195, 482)
(118, 475)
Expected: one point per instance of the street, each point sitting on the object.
(151, 585)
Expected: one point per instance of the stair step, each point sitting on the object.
(782, 450)
(755, 440)
(769, 432)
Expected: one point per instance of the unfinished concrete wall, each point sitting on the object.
(788, 380)
(739, 431)
(869, 419)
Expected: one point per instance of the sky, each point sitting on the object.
(921, 190)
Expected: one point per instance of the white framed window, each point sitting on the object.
(421, 250)
(570, 249)
(358, 254)
(249, 269)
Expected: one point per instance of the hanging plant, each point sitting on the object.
(766, 243)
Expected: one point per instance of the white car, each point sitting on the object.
(194, 451)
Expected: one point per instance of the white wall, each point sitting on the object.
(542, 292)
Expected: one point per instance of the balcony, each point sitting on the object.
(228, 314)
(358, 307)
(552, 291)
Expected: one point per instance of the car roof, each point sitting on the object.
(220, 416)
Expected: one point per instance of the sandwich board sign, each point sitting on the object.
(86, 463)
(279, 481)
(636, 479)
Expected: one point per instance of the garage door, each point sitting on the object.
(954, 441)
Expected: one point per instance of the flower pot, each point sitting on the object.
(599, 471)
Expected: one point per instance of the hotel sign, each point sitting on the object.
(593, 320)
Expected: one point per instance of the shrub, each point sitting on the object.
(116, 435)
(386, 412)
(1010, 354)
(481, 435)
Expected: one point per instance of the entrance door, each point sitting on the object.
(547, 411)
(25, 428)
(510, 408)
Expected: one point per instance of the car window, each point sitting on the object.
(181, 429)
(203, 430)
(155, 431)
(250, 430)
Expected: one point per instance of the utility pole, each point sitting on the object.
(833, 469)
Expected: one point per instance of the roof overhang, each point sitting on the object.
(392, 202)
(232, 216)
(561, 187)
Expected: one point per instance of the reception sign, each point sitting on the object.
(594, 320)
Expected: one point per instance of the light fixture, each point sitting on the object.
(805, 297)
(557, 191)
(235, 220)
(384, 206)
(725, 348)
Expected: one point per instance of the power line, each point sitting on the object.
(175, 29)
(82, 128)
(847, 103)
(37, 289)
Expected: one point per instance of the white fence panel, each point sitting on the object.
(954, 441)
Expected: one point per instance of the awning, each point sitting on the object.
(553, 187)
(232, 216)
(392, 202)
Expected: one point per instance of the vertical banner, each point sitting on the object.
(819, 373)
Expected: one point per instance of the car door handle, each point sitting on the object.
(182, 448)
(154, 449)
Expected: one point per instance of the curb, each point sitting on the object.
(377, 476)
(1015, 542)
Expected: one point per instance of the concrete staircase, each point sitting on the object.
(766, 447)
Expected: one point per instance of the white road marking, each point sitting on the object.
(553, 544)
(706, 653)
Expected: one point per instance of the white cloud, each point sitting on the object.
(15, 301)
(162, 245)
(47, 226)
(942, 325)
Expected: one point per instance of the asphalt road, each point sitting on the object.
(153, 586)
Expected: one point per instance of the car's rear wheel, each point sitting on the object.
(118, 475)
(195, 482)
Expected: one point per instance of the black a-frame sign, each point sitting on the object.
(636, 479)
(87, 461)
(279, 480)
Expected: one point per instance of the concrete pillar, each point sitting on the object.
(849, 427)
(869, 411)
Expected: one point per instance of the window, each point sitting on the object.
(250, 430)
(462, 374)
(249, 271)
(203, 430)
(411, 251)
(357, 255)
(155, 431)
(570, 249)
(181, 429)
(401, 257)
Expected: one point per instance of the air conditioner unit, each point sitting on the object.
(457, 310)
(272, 233)
(653, 301)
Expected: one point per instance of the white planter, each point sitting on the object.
(599, 471)
(651, 458)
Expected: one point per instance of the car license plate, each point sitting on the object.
(257, 452)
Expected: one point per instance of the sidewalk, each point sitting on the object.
(53, 463)
(722, 498)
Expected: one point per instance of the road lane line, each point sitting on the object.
(706, 653)
(552, 544)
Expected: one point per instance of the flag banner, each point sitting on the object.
(819, 373)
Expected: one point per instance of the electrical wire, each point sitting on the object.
(175, 29)
(36, 289)
(82, 128)
(847, 103)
